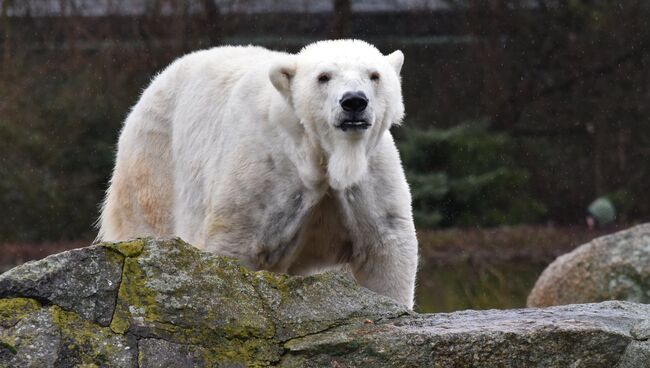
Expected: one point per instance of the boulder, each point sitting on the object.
(612, 267)
(171, 305)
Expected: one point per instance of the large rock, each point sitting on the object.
(174, 306)
(84, 281)
(613, 267)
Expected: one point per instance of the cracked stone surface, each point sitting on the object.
(89, 290)
(174, 306)
(612, 267)
(157, 353)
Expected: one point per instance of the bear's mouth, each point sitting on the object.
(354, 125)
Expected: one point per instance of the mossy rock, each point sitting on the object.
(163, 303)
(84, 280)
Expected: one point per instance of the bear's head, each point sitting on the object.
(346, 95)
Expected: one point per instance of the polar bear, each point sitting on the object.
(283, 161)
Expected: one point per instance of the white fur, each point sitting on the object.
(235, 150)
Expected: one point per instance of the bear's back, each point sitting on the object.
(225, 64)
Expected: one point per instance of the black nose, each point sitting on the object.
(354, 101)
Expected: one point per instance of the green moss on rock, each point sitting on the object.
(250, 353)
(88, 344)
(177, 306)
(128, 249)
(83, 280)
(13, 310)
(53, 337)
(134, 299)
(7, 346)
(175, 291)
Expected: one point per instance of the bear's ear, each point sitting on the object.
(281, 73)
(396, 59)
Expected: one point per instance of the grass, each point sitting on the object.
(489, 268)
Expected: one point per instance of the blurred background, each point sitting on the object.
(520, 113)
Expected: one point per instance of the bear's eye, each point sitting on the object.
(324, 78)
(374, 76)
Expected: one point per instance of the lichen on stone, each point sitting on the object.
(133, 296)
(5, 345)
(89, 344)
(12, 310)
(172, 289)
(131, 248)
(173, 305)
(84, 280)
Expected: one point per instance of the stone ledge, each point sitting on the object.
(161, 302)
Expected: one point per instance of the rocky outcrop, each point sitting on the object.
(613, 267)
(162, 303)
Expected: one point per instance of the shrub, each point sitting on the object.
(465, 176)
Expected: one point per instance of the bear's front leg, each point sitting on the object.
(385, 250)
